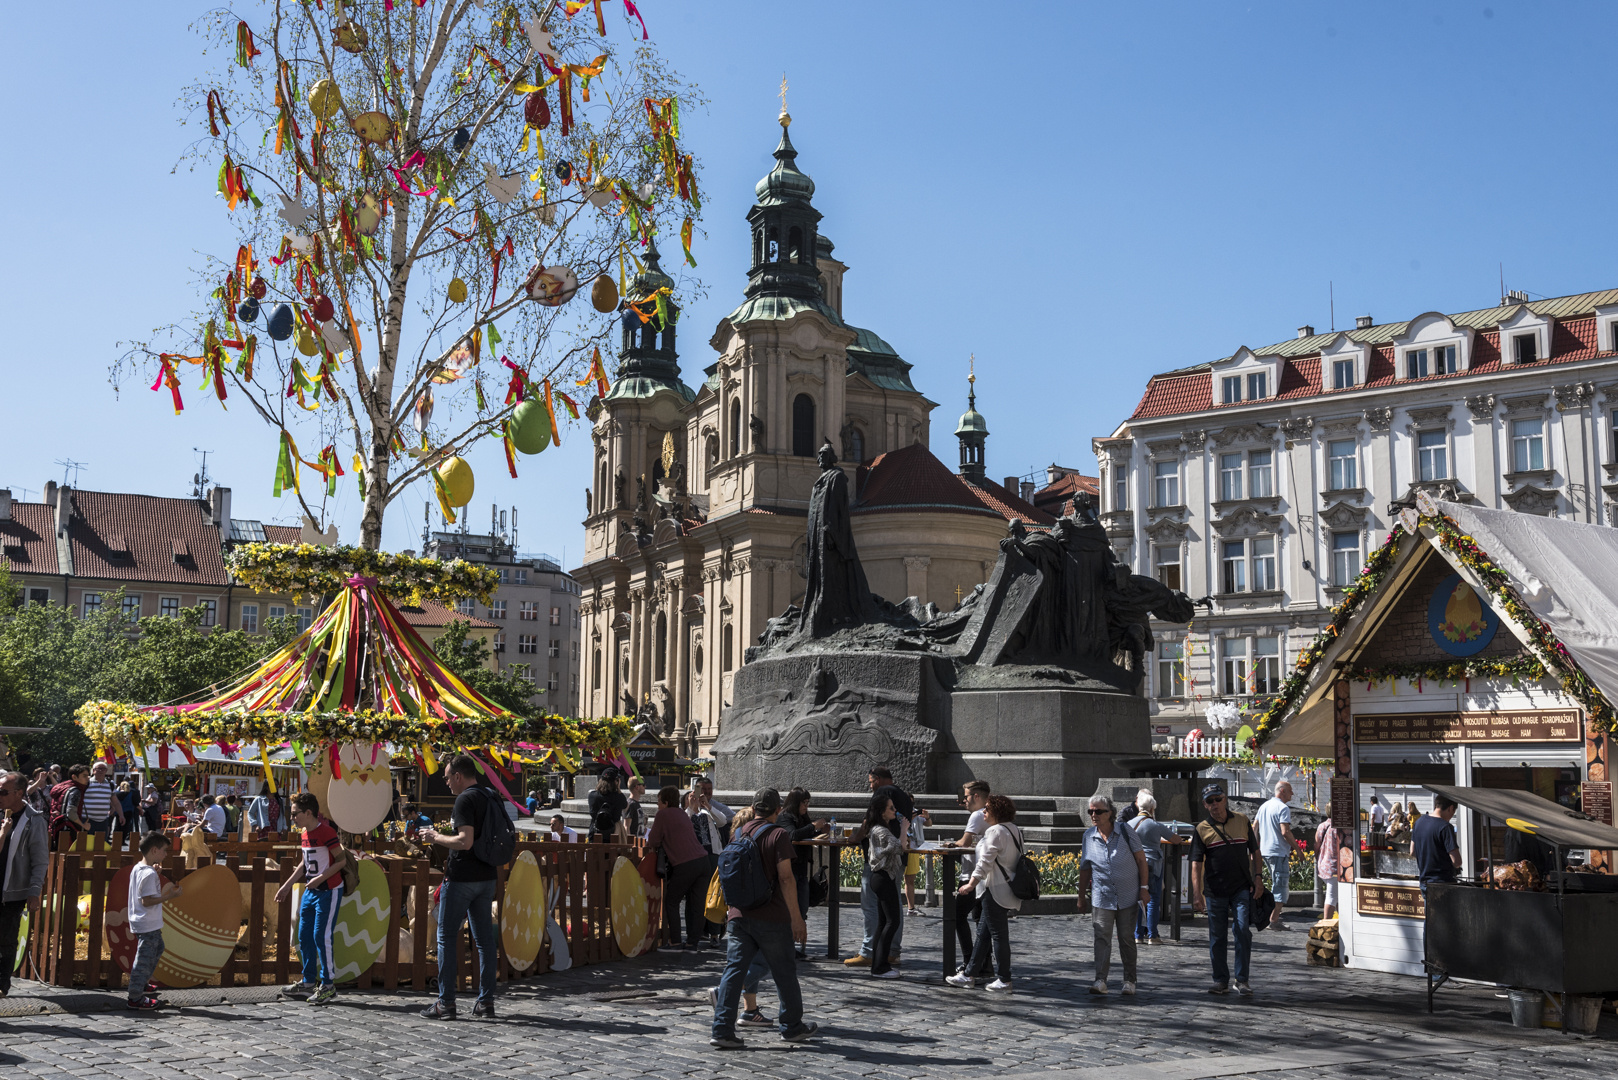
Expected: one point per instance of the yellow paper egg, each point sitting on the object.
(199, 927)
(629, 909)
(22, 941)
(307, 343)
(456, 475)
(324, 99)
(373, 127)
(604, 294)
(457, 291)
(359, 800)
(522, 912)
(361, 929)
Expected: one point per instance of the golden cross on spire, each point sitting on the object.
(972, 368)
(785, 117)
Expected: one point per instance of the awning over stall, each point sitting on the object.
(1532, 814)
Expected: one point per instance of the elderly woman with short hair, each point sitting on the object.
(1152, 833)
(1118, 885)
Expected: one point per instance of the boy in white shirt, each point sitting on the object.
(147, 891)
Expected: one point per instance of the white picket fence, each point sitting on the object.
(1219, 746)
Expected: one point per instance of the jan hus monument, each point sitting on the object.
(1030, 683)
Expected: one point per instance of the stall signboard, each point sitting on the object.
(1596, 800)
(1344, 814)
(1404, 901)
(1525, 725)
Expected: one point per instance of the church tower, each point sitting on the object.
(784, 228)
(973, 431)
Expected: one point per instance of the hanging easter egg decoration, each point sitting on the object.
(307, 343)
(200, 926)
(358, 801)
(463, 137)
(602, 193)
(373, 127)
(281, 322)
(118, 936)
(367, 214)
(322, 308)
(259, 289)
(361, 929)
(564, 171)
(537, 111)
(247, 310)
(552, 286)
(324, 99)
(604, 294)
(352, 37)
(522, 912)
(530, 427)
(455, 368)
(456, 475)
(630, 320)
(457, 291)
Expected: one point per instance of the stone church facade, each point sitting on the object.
(696, 514)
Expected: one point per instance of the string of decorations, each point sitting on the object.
(1552, 656)
(311, 569)
(1518, 669)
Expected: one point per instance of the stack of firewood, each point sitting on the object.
(1323, 946)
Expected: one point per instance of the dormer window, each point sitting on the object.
(1525, 337)
(1257, 385)
(1524, 348)
(1342, 374)
(1433, 345)
(1231, 389)
(1245, 377)
(1438, 360)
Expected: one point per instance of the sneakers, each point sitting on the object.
(439, 1011)
(1244, 990)
(1279, 925)
(298, 989)
(999, 986)
(324, 996)
(961, 979)
(1098, 988)
(893, 961)
(145, 1003)
(802, 1033)
(858, 960)
(756, 1018)
(1219, 988)
(726, 1042)
(1155, 940)
(888, 974)
(1129, 989)
(484, 1008)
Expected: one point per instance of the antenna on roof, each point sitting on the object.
(200, 480)
(1331, 291)
(69, 465)
(1502, 283)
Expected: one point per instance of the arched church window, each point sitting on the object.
(856, 445)
(726, 652)
(803, 426)
(595, 666)
(660, 664)
(758, 246)
(773, 249)
(795, 245)
(735, 427)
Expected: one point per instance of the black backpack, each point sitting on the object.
(1024, 876)
(494, 841)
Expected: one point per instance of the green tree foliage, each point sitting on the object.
(468, 658)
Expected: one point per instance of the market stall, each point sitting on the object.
(1472, 653)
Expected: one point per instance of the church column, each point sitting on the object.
(637, 632)
(679, 676)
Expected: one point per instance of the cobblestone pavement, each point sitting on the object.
(650, 1018)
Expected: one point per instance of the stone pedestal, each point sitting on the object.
(1055, 742)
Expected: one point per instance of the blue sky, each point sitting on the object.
(1080, 194)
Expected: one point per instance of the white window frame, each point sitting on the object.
(1424, 459)
(1522, 323)
(499, 643)
(1256, 471)
(554, 649)
(1524, 446)
(306, 618)
(275, 611)
(556, 616)
(1265, 666)
(1231, 482)
(1171, 669)
(528, 611)
(1174, 559)
(1233, 568)
(249, 619)
(1263, 569)
(1344, 370)
(1233, 666)
(1431, 333)
(528, 644)
(1230, 389)
(464, 606)
(1257, 386)
(1166, 482)
(1350, 472)
(1346, 561)
(497, 609)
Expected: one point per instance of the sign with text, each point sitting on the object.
(1403, 901)
(1525, 725)
(1595, 799)
(1344, 815)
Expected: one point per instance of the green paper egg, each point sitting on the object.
(530, 427)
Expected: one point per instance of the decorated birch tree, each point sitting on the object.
(438, 203)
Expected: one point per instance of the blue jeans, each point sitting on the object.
(1151, 915)
(1221, 909)
(316, 917)
(746, 940)
(873, 917)
(1280, 878)
(148, 949)
(465, 902)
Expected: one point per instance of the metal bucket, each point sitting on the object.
(1527, 1008)
(1580, 1013)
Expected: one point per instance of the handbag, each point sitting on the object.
(819, 888)
(716, 910)
(1263, 900)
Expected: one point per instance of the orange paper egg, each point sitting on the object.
(199, 927)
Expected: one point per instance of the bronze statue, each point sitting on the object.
(838, 595)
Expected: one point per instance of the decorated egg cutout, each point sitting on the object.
(373, 127)
(604, 294)
(536, 110)
(200, 927)
(352, 37)
(530, 427)
(456, 476)
(359, 800)
(463, 136)
(280, 325)
(247, 310)
(322, 308)
(324, 99)
(522, 912)
(308, 344)
(457, 291)
(361, 930)
(552, 286)
(629, 908)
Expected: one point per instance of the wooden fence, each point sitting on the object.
(60, 953)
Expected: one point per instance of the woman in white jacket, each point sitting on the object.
(883, 835)
(997, 855)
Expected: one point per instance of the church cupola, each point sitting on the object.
(647, 360)
(973, 431)
(784, 228)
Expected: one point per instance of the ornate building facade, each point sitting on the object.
(1263, 480)
(694, 534)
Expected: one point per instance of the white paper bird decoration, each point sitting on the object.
(503, 188)
(294, 213)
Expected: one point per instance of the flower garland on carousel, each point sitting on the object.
(1550, 660)
(310, 568)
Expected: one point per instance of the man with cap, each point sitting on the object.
(607, 805)
(768, 929)
(1225, 867)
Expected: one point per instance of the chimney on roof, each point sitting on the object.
(50, 493)
(1027, 491)
(1306, 331)
(1053, 473)
(5, 504)
(1363, 322)
(1010, 484)
(219, 507)
(1513, 296)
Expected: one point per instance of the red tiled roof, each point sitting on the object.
(30, 539)
(433, 615)
(1192, 392)
(913, 479)
(148, 526)
(1057, 499)
(999, 498)
(283, 534)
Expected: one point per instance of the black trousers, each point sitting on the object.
(992, 929)
(688, 882)
(10, 922)
(966, 908)
(888, 914)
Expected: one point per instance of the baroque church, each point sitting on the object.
(695, 533)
